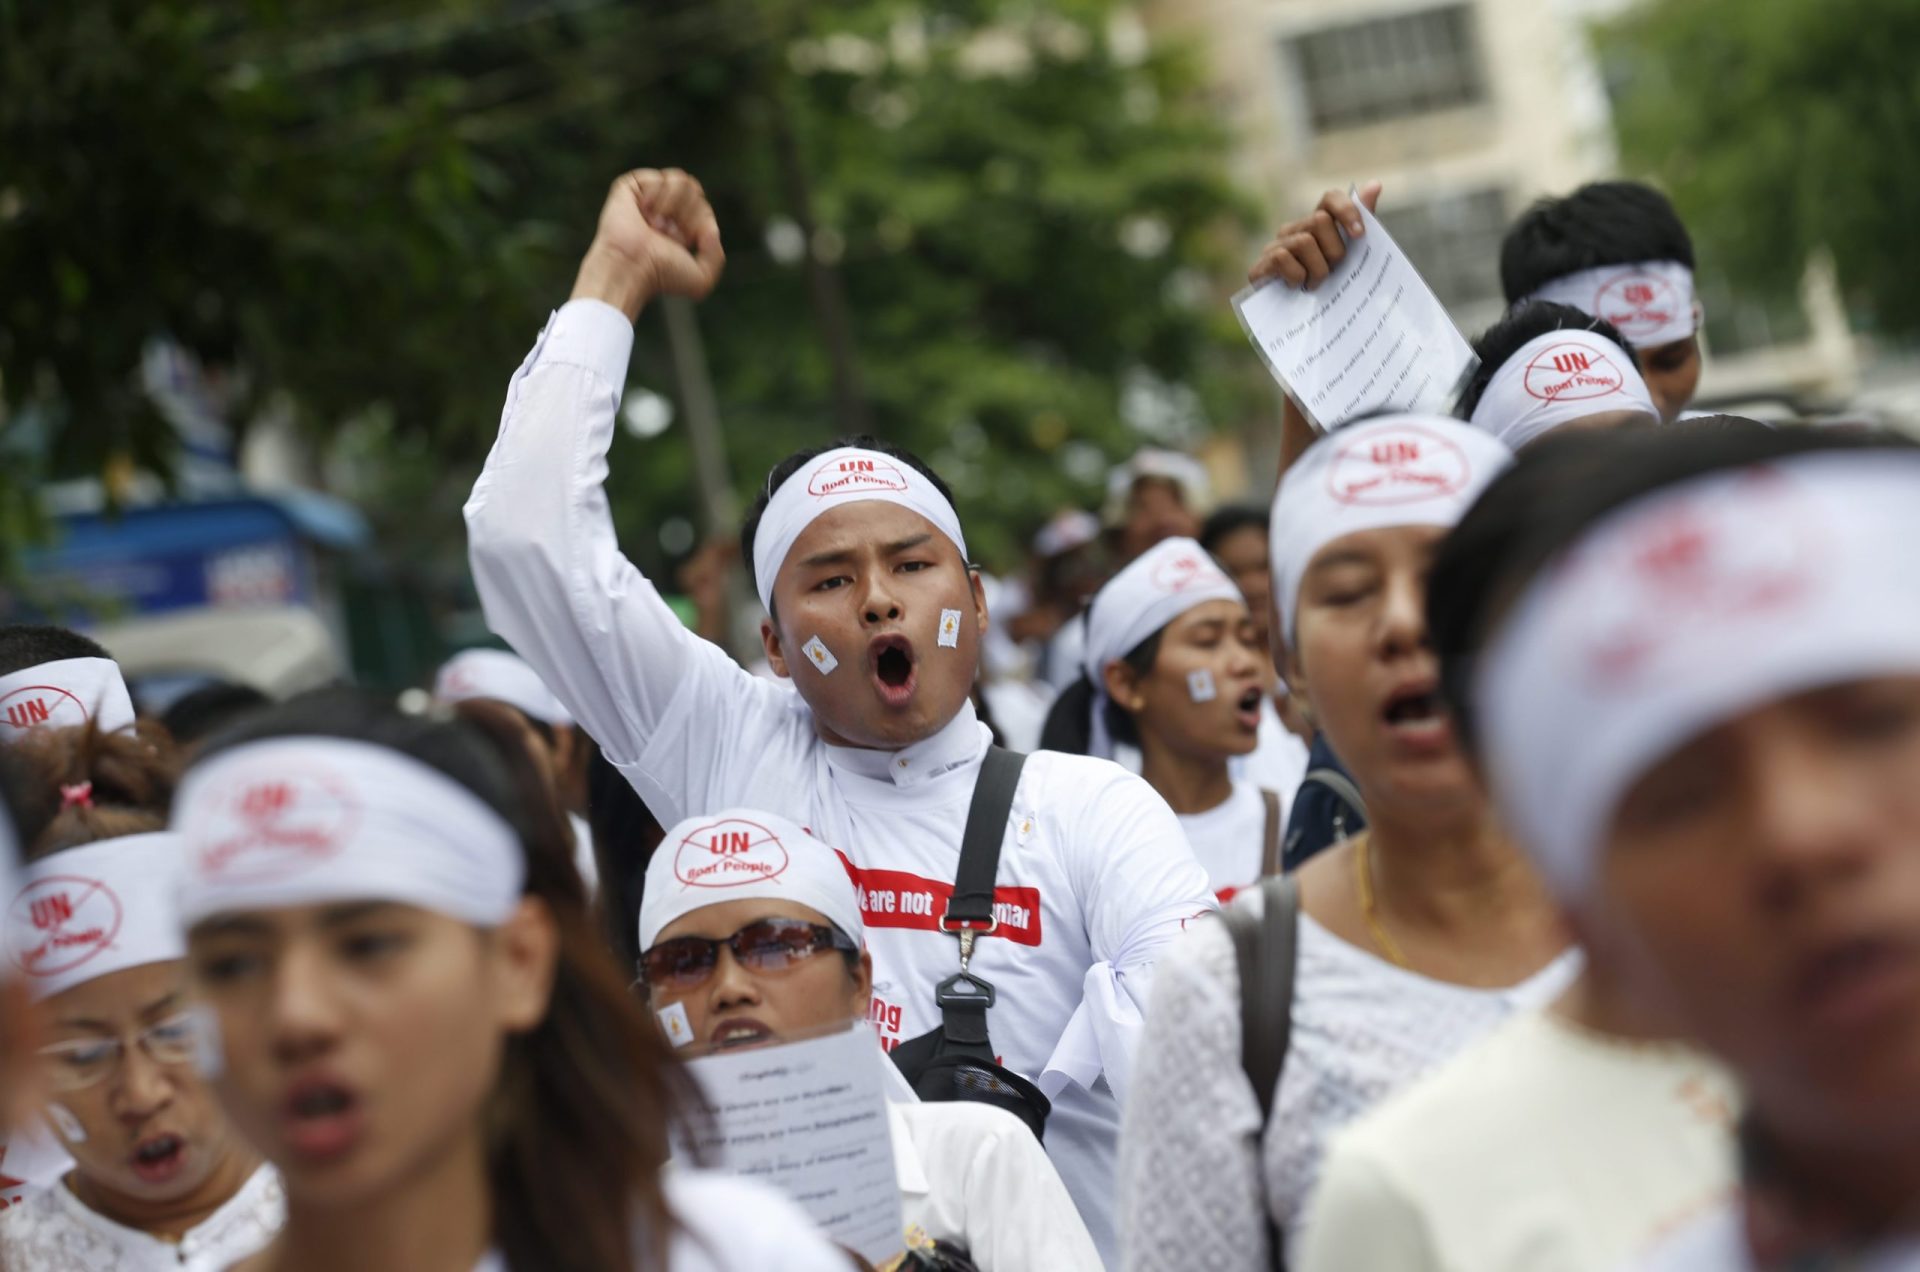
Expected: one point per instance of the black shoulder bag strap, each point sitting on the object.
(1271, 859)
(1265, 947)
(964, 997)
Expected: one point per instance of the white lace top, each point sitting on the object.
(51, 1231)
(1193, 1192)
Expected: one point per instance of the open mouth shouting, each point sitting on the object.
(1415, 715)
(322, 1119)
(893, 668)
(1246, 709)
(158, 1159)
(740, 1031)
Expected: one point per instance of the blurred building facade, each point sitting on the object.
(1468, 110)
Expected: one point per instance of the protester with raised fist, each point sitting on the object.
(874, 620)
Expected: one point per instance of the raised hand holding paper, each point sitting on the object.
(1373, 337)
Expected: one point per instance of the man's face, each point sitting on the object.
(862, 600)
(1243, 554)
(1672, 373)
(1761, 885)
(1155, 511)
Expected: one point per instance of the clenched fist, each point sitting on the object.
(657, 237)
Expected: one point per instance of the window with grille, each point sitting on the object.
(1454, 241)
(1388, 68)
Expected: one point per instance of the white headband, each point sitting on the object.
(502, 677)
(89, 912)
(1652, 303)
(1557, 378)
(300, 821)
(58, 695)
(1400, 470)
(743, 854)
(1182, 470)
(1685, 609)
(844, 476)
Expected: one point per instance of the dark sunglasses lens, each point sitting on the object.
(775, 944)
(679, 963)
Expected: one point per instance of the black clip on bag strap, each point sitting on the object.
(964, 998)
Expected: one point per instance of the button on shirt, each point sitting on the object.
(1095, 877)
(52, 1231)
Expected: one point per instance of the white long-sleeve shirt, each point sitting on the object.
(1095, 877)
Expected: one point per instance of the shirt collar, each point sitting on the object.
(963, 740)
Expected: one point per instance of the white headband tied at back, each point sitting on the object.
(1557, 378)
(309, 820)
(1651, 303)
(91, 911)
(1398, 470)
(840, 477)
(744, 854)
(59, 695)
(1682, 610)
(499, 676)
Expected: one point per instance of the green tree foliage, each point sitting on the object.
(368, 214)
(1783, 126)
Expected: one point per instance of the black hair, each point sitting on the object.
(1603, 223)
(24, 645)
(778, 474)
(1526, 321)
(1230, 520)
(1069, 726)
(210, 708)
(1553, 493)
(625, 836)
(581, 1114)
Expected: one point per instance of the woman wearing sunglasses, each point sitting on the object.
(419, 1025)
(160, 1180)
(752, 936)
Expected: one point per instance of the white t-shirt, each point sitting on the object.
(1095, 877)
(728, 1224)
(52, 1231)
(1194, 1191)
(583, 858)
(1230, 839)
(1715, 1243)
(1542, 1145)
(974, 1176)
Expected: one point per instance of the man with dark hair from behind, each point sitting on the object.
(197, 715)
(1619, 251)
(53, 677)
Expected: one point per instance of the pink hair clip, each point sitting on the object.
(78, 795)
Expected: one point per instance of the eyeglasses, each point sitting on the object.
(763, 946)
(82, 1062)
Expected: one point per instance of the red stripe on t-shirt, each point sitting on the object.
(898, 899)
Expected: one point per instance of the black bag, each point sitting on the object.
(955, 1060)
(1264, 947)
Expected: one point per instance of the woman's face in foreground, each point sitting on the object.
(1762, 884)
(362, 1040)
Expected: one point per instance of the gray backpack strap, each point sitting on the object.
(1265, 947)
(1271, 855)
(1340, 784)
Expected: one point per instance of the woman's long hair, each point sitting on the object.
(578, 1122)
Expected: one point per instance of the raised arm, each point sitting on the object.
(549, 571)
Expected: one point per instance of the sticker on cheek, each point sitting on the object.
(674, 1023)
(819, 655)
(66, 1123)
(1200, 685)
(950, 629)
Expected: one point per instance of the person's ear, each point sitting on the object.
(1123, 685)
(527, 951)
(21, 1076)
(979, 600)
(770, 643)
(860, 993)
